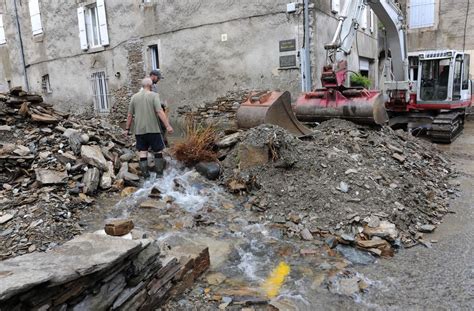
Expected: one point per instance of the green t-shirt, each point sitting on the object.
(143, 108)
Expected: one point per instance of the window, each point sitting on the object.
(457, 77)
(155, 61)
(100, 92)
(465, 73)
(422, 13)
(335, 6)
(92, 22)
(2, 31)
(45, 85)
(92, 27)
(35, 16)
(413, 63)
(364, 66)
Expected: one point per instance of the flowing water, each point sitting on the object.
(247, 249)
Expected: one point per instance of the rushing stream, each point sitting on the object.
(243, 248)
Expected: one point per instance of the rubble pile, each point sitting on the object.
(222, 111)
(372, 188)
(51, 167)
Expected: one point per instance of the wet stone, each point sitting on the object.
(210, 170)
(348, 237)
(331, 241)
(118, 227)
(355, 256)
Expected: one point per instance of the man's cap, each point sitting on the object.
(157, 72)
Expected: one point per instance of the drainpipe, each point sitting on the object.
(22, 52)
(305, 52)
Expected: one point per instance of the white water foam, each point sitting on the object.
(190, 196)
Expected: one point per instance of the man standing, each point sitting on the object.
(156, 76)
(146, 111)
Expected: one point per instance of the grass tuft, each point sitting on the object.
(197, 144)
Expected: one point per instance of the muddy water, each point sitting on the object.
(441, 278)
(246, 248)
(243, 247)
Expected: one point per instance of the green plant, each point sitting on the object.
(359, 80)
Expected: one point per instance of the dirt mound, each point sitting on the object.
(345, 180)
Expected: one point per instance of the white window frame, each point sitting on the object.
(100, 92)
(154, 56)
(415, 10)
(93, 33)
(3, 39)
(35, 17)
(92, 21)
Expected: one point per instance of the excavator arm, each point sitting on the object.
(349, 20)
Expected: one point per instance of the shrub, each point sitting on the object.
(360, 80)
(197, 144)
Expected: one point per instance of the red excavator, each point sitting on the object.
(433, 96)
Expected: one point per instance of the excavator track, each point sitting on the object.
(446, 127)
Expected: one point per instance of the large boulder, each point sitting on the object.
(92, 155)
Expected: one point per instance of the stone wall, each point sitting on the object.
(206, 48)
(98, 272)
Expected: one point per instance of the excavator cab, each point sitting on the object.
(444, 78)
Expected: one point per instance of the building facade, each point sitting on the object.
(440, 25)
(90, 55)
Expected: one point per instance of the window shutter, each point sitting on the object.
(82, 28)
(2, 31)
(335, 6)
(372, 21)
(104, 34)
(422, 13)
(36, 26)
(363, 20)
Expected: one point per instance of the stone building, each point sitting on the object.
(440, 25)
(90, 55)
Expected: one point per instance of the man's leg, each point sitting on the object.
(157, 146)
(142, 148)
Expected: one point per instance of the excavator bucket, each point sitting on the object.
(271, 108)
(356, 105)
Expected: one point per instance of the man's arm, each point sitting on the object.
(130, 116)
(161, 114)
(129, 122)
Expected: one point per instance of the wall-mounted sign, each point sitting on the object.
(288, 45)
(287, 61)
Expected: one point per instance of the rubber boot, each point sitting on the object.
(159, 166)
(144, 169)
